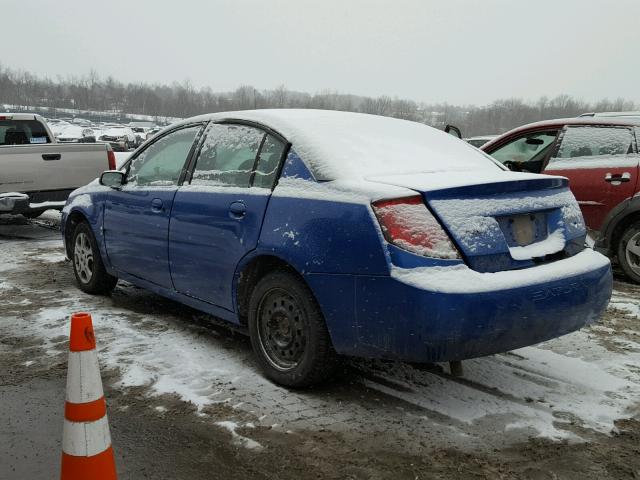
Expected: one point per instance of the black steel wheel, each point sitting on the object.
(288, 332)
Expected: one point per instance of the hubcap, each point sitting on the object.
(83, 257)
(281, 330)
(633, 253)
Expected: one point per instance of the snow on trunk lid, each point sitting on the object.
(511, 230)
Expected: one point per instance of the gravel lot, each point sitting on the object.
(186, 401)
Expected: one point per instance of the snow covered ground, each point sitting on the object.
(569, 388)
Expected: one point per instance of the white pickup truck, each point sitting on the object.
(36, 172)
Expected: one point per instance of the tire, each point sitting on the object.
(629, 252)
(293, 357)
(88, 268)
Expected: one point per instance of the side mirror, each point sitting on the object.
(453, 130)
(534, 141)
(112, 178)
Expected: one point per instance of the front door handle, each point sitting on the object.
(51, 156)
(237, 210)
(156, 205)
(617, 179)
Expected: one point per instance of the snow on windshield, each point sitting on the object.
(344, 145)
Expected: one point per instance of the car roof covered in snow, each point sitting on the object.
(346, 145)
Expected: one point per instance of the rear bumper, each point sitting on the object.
(395, 319)
(15, 203)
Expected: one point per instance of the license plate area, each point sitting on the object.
(525, 229)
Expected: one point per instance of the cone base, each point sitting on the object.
(97, 467)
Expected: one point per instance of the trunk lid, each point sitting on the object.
(504, 220)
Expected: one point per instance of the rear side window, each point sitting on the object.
(227, 156)
(268, 162)
(22, 132)
(163, 161)
(580, 142)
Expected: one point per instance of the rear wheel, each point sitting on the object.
(88, 268)
(288, 332)
(629, 252)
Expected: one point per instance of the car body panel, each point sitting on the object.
(136, 231)
(208, 235)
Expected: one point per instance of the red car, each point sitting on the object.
(599, 156)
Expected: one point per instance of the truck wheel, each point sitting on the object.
(88, 268)
(288, 332)
(629, 252)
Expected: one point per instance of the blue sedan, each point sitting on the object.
(326, 233)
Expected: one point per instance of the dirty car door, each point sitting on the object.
(217, 218)
(136, 217)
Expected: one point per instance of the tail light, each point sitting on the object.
(112, 159)
(408, 224)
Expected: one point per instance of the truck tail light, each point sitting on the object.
(112, 159)
(408, 224)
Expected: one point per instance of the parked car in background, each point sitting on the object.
(76, 134)
(599, 156)
(479, 140)
(141, 135)
(119, 137)
(36, 172)
(153, 132)
(57, 126)
(327, 233)
(83, 122)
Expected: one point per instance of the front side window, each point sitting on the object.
(163, 161)
(227, 156)
(526, 153)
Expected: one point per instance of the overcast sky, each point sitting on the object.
(427, 50)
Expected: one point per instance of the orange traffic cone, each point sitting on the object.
(86, 443)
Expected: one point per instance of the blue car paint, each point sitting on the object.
(338, 249)
(136, 225)
(380, 317)
(207, 240)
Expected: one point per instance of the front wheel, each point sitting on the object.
(629, 252)
(288, 332)
(88, 268)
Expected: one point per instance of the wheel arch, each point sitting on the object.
(249, 273)
(616, 223)
(72, 221)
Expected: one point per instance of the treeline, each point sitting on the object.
(94, 93)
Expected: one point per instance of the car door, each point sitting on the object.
(601, 163)
(136, 217)
(217, 217)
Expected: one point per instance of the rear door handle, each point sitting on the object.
(237, 209)
(51, 156)
(617, 179)
(156, 205)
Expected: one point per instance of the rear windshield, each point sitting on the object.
(22, 132)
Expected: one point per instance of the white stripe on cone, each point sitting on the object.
(85, 439)
(83, 378)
